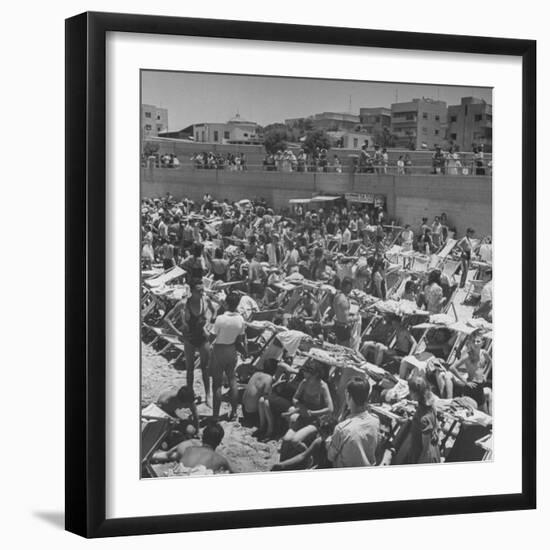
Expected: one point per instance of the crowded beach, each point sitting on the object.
(324, 335)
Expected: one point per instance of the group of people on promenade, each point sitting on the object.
(252, 251)
(365, 161)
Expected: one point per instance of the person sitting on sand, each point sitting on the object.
(317, 452)
(258, 388)
(311, 401)
(355, 439)
(192, 455)
(171, 401)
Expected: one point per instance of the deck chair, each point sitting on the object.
(153, 433)
(396, 291)
(353, 246)
(449, 268)
(434, 262)
(450, 303)
(474, 289)
(265, 315)
(394, 253)
(148, 304)
(165, 277)
(446, 248)
(160, 330)
(421, 264)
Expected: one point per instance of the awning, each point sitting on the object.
(299, 201)
(360, 197)
(321, 198)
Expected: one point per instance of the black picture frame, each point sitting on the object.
(86, 275)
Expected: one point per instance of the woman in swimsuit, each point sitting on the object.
(311, 401)
(195, 315)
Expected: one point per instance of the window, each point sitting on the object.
(216, 135)
(197, 136)
(453, 118)
(355, 143)
(148, 127)
(478, 118)
(410, 117)
(159, 127)
(147, 114)
(453, 136)
(377, 119)
(226, 135)
(424, 130)
(436, 117)
(425, 116)
(245, 134)
(436, 132)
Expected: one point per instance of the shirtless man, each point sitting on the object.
(171, 401)
(343, 325)
(343, 319)
(466, 374)
(191, 455)
(259, 387)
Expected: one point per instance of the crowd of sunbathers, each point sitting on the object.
(341, 278)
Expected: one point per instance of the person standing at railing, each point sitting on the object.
(438, 161)
(408, 164)
(452, 163)
(378, 159)
(301, 160)
(278, 158)
(400, 166)
(478, 161)
(385, 160)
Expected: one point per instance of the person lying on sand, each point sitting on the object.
(191, 455)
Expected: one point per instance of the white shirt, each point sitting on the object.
(487, 293)
(228, 327)
(486, 252)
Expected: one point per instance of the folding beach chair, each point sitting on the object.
(449, 268)
(148, 304)
(153, 433)
(393, 254)
(396, 291)
(446, 248)
(164, 278)
(421, 263)
(474, 288)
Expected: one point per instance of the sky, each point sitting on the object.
(200, 97)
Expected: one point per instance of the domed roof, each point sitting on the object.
(237, 119)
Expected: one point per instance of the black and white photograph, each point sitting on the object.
(316, 274)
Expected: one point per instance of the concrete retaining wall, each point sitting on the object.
(467, 200)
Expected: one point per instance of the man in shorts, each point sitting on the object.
(227, 333)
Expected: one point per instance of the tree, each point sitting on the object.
(385, 138)
(316, 139)
(275, 139)
(150, 148)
